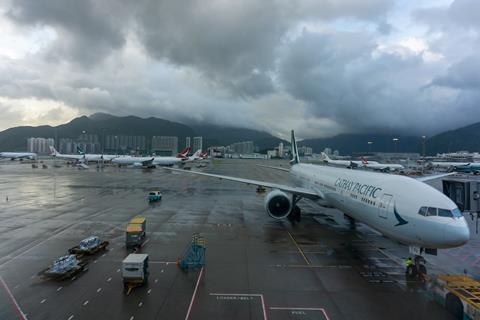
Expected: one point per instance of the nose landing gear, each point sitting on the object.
(416, 269)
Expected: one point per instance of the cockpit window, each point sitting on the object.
(445, 213)
(432, 212)
(428, 212)
(422, 211)
(457, 213)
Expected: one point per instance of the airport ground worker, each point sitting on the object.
(408, 264)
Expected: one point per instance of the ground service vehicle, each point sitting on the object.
(134, 271)
(135, 233)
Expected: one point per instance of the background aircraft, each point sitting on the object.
(18, 155)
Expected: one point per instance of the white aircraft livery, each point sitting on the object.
(18, 155)
(381, 166)
(402, 208)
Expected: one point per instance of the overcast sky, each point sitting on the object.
(320, 67)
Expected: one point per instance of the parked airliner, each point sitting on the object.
(18, 155)
(83, 157)
(340, 163)
(402, 208)
(381, 166)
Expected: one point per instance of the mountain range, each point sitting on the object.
(465, 138)
(101, 124)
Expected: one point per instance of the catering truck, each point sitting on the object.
(134, 271)
(135, 233)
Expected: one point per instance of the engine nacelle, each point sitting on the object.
(278, 204)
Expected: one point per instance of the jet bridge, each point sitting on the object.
(464, 192)
(466, 195)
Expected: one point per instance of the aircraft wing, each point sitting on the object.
(147, 162)
(302, 192)
(272, 167)
(435, 176)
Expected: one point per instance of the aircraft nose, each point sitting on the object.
(456, 233)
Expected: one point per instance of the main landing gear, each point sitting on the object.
(295, 215)
(417, 269)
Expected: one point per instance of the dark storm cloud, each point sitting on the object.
(253, 63)
(234, 42)
(339, 74)
(87, 30)
(462, 75)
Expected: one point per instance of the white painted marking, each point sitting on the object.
(103, 255)
(109, 279)
(94, 261)
(118, 270)
(85, 303)
(149, 291)
(99, 289)
(74, 277)
(17, 307)
(16, 286)
(140, 304)
(55, 233)
(143, 244)
(247, 295)
(194, 294)
(70, 318)
(162, 271)
(156, 280)
(59, 288)
(43, 301)
(132, 317)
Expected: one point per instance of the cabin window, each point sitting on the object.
(432, 212)
(422, 211)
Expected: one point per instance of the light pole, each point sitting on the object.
(370, 146)
(395, 140)
(424, 145)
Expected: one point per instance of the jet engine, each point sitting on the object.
(278, 204)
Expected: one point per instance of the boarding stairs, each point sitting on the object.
(194, 254)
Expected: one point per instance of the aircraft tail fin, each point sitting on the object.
(364, 161)
(197, 153)
(184, 153)
(53, 151)
(325, 157)
(80, 151)
(295, 157)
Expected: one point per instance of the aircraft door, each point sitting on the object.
(384, 205)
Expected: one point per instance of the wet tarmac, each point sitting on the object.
(256, 267)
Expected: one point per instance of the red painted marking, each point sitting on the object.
(17, 307)
(300, 308)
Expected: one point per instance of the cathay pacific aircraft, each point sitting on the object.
(401, 208)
